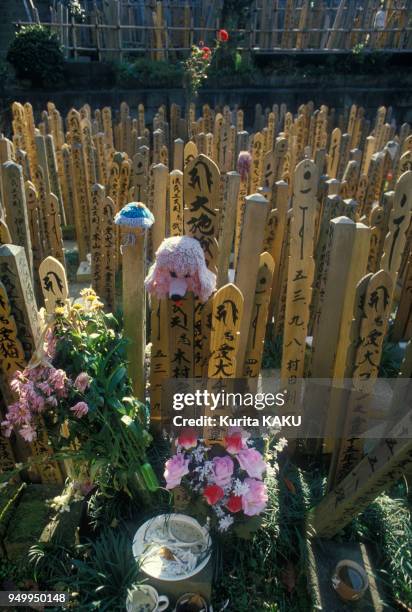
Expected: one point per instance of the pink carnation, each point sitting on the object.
(255, 500)
(80, 409)
(222, 470)
(176, 467)
(82, 382)
(252, 462)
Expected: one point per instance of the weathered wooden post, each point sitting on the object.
(16, 208)
(300, 271)
(134, 219)
(250, 247)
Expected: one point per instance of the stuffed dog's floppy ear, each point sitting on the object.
(203, 283)
(157, 281)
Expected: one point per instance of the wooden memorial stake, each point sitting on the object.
(226, 315)
(343, 365)
(250, 247)
(190, 152)
(201, 214)
(227, 308)
(402, 328)
(372, 313)
(53, 174)
(134, 295)
(257, 162)
(281, 202)
(15, 276)
(140, 171)
(228, 229)
(103, 246)
(81, 201)
(300, 272)
(12, 356)
(381, 467)
(54, 228)
(256, 337)
(16, 208)
(160, 183)
(53, 284)
(176, 203)
(333, 154)
(399, 221)
(332, 293)
(178, 154)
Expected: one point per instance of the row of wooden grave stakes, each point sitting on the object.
(308, 216)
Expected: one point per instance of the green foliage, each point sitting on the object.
(267, 572)
(105, 573)
(100, 572)
(387, 525)
(112, 437)
(51, 562)
(35, 54)
(144, 73)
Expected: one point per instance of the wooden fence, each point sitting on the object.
(314, 231)
(161, 30)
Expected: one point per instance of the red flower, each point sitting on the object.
(223, 36)
(188, 438)
(389, 176)
(206, 52)
(234, 503)
(233, 443)
(212, 494)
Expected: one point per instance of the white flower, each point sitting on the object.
(218, 511)
(18, 466)
(282, 442)
(3, 485)
(225, 523)
(240, 488)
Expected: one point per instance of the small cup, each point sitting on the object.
(191, 601)
(350, 580)
(143, 596)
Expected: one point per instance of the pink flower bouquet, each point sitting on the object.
(227, 477)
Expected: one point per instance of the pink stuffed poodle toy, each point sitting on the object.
(179, 267)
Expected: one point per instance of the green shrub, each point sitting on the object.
(35, 54)
(143, 73)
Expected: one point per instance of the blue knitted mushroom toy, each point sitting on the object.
(135, 215)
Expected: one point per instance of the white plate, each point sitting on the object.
(153, 566)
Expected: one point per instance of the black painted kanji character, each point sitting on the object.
(292, 365)
(195, 176)
(180, 357)
(222, 311)
(48, 283)
(220, 368)
(299, 276)
(296, 320)
(200, 203)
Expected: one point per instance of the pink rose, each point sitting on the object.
(82, 382)
(80, 409)
(255, 500)
(176, 467)
(222, 470)
(188, 438)
(252, 462)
